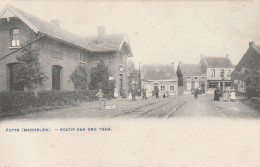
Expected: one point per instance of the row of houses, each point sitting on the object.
(60, 51)
(210, 73)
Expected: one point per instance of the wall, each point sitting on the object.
(26, 35)
(218, 73)
(113, 60)
(149, 85)
(56, 53)
(48, 49)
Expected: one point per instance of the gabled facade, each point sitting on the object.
(60, 51)
(161, 76)
(218, 72)
(210, 73)
(190, 77)
(250, 62)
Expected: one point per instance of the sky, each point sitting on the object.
(160, 31)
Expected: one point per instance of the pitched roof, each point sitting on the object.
(218, 62)
(111, 42)
(191, 69)
(257, 48)
(158, 72)
(44, 27)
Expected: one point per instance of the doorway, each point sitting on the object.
(56, 77)
(13, 77)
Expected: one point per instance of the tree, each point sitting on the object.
(100, 79)
(79, 77)
(29, 74)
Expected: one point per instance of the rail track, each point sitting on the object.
(159, 109)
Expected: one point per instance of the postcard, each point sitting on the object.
(129, 83)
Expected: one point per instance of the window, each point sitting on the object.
(172, 87)
(222, 73)
(202, 78)
(14, 33)
(196, 77)
(213, 84)
(228, 73)
(212, 73)
(188, 77)
(162, 88)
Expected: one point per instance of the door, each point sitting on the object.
(56, 72)
(13, 76)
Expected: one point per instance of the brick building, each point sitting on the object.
(210, 73)
(190, 77)
(250, 62)
(160, 76)
(60, 51)
(218, 72)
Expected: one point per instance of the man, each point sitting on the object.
(196, 92)
(156, 92)
(133, 92)
(144, 93)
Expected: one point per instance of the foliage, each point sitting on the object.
(29, 74)
(100, 79)
(17, 101)
(79, 77)
(252, 79)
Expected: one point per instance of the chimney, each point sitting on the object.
(100, 34)
(252, 43)
(56, 23)
(180, 62)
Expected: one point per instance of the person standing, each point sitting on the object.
(196, 92)
(217, 94)
(233, 96)
(100, 98)
(225, 95)
(144, 93)
(156, 92)
(133, 92)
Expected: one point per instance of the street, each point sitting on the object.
(172, 107)
(175, 131)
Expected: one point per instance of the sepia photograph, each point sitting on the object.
(129, 83)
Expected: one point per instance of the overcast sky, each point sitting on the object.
(160, 31)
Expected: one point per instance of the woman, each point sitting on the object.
(233, 96)
(217, 94)
(225, 95)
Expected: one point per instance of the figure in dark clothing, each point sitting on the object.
(217, 94)
(196, 92)
(144, 93)
(133, 93)
(156, 92)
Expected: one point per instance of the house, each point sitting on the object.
(218, 72)
(190, 77)
(210, 73)
(60, 51)
(250, 62)
(114, 50)
(160, 76)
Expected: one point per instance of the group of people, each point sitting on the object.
(134, 91)
(227, 95)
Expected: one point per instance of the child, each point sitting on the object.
(100, 98)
